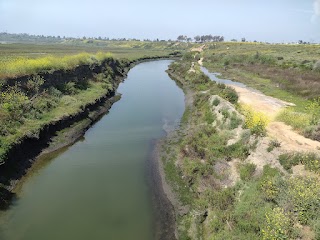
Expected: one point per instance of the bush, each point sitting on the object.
(13, 102)
(229, 94)
(278, 225)
(33, 84)
(310, 160)
(303, 197)
(216, 102)
(273, 144)
(296, 120)
(235, 121)
(255, 121)
(249, 211)
(246, 171)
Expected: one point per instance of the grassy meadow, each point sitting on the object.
(25, 59)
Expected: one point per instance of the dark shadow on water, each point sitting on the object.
(6, 198)
(164, 215)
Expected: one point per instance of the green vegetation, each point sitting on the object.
(310, 160)
(273, 144)
(246, 171)
(25, 66)
(25, 115)
(260, 205)
(27, 106)
(254, 120)
(287, 72)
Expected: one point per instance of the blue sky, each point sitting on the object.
(261, 20)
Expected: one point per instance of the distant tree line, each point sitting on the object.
(29, 38)
(203, 38)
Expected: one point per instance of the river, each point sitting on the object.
(98, 187)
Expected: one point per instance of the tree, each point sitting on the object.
(243, 39)
(181, 38)
(197, 38)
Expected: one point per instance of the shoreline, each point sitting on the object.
(28, 151)
(168, 198)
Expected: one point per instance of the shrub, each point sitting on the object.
(229, 94)
(314, 109)
(278, 225)
(310, 160)
(235, 121)
(216, 102)
(12, 102)
(249, 211)
(33, 84)
(294, 119)
(246, 171)
(269, 188)
(273, 144)
(303, 196)
(255, 121)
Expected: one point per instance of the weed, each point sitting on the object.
(273, 144)
(255, 121)
(246, 171)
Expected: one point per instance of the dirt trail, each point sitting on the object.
(199, 49)
(290, 140)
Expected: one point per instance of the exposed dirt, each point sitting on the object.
(268, 105)
(199, 49)
(290, 140)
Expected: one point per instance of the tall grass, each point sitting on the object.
(25, 66)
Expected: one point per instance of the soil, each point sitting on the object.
(289, 139)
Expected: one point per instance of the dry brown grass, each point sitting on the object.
(304, 83)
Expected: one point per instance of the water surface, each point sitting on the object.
(214, 77)
(97, 188)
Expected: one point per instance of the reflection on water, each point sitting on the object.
(97, 188)
(214, 77)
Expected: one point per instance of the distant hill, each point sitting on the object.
(27, 38)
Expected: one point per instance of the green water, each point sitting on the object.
(97, 188)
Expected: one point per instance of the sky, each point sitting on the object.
(261, 20)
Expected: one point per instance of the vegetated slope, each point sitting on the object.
(231, 180)
(50, 103)
(34, 110)
(288, 72)
(29, 103)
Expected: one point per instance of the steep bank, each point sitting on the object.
(66, 128)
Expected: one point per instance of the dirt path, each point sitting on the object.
(290, 140)
(199, 49)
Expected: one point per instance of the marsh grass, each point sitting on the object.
(25, 66)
